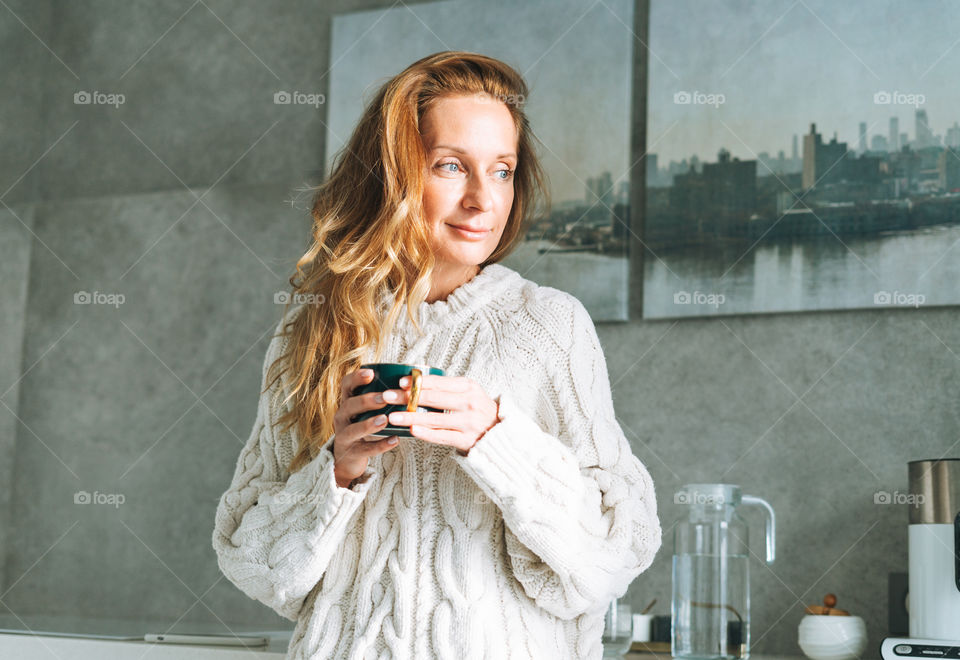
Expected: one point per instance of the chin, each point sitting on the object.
(466, 258)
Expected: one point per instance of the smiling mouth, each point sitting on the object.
(470, 233)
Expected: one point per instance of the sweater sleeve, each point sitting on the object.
(275, 532)
(579, 510)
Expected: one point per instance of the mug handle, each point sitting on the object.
(415, 377)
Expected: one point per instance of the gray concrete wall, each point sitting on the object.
(26, 30)
(152, 399)
(149, 399)
(21, 141)
(15, 244)
(813, 412)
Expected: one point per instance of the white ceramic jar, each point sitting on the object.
(825, 637)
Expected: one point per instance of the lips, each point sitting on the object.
(469, 228)
(467, 234)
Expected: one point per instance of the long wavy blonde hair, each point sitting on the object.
(370, 234)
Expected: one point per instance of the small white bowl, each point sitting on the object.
(824, 637)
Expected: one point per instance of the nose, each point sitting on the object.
(477, 193)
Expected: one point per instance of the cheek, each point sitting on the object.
(437, 199)
(508, 197)
(429, 200)
(506, 203)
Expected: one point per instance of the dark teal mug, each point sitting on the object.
(386, 376)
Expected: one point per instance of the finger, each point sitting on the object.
(385, 445)
(441, 399)
(345, 409)
(437, 436)
(434, 420)
(432, 399)
(444, 383)
(372, 446)
(353, 380)
(360, 403)
(359, 430)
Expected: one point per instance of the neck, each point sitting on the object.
(446, 279)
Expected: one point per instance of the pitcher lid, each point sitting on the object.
(708, 494)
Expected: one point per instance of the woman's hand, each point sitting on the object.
(352, 446)
(470, 411)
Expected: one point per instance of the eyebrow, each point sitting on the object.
(461, 151)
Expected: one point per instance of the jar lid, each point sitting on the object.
(828, 607)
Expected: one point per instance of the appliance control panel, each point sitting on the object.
(894, 648)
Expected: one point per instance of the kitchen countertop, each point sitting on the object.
(37, 636)
(639, 655)
(64, 636)
(43, 647)
(28, 647)
(662, 650)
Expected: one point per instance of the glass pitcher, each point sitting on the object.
(711, 577)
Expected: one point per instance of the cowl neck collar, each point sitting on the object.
(492, 280)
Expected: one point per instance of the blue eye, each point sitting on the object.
(507, 172)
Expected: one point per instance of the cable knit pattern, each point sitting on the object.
(513, 551)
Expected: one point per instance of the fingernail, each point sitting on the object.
(404, 381)
(396, 418)
(380, 419)
(378, 398)
(389, 395)
(393, 440)
(366, 373)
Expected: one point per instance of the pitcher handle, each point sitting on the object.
(771, 523)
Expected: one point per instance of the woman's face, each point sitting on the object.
(471, 149)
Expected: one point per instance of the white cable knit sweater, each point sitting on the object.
(513, 551)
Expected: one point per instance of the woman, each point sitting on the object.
(507, 524)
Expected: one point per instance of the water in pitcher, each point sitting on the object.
(711, 579)
(711, 615)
